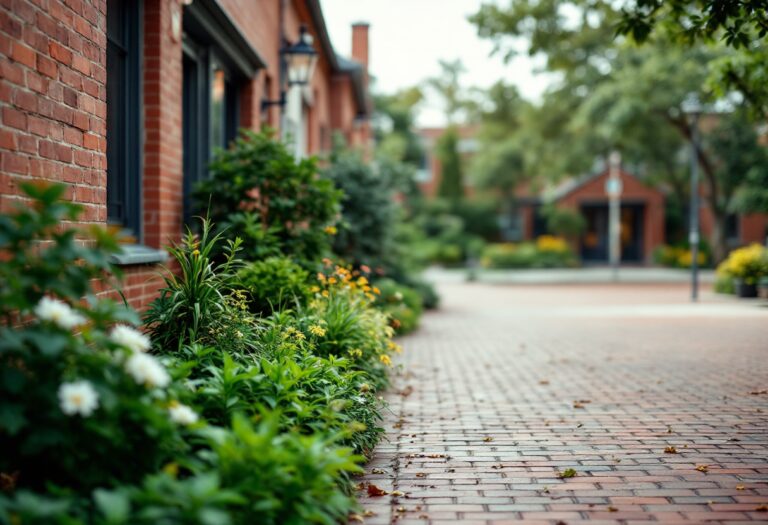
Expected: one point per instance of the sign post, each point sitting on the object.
(613, 189)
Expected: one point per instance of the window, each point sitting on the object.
(217, 61)
(124, 115)
(210, 113)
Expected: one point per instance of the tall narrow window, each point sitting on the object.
(124, 114)
(218, 59)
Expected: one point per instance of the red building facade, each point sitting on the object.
(125, 101)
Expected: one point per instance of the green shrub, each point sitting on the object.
(546, 252)
(277, 205)
(403, 304)
(368, 211)
(82, 404)
(273, 284)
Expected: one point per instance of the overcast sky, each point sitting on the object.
(408, 37)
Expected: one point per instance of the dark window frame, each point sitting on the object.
(211, 42)
(125, 118)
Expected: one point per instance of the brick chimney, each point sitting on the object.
(360, 43)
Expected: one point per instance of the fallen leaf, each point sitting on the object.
(397, 493)
(421, 475)
(740, 487)
(407, 391)
(702, 468)
(576, 404)
(368, 513)
(375, 492)
(378, 471)
(762, 508)
(488, 439)
(356, 517)
(423, 517)
(670, 450)
(567, 473)
(612, 509)
(758, 392)
(544, 382)
(400, 509)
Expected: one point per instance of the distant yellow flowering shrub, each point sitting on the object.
(550, 243)
(749, 263)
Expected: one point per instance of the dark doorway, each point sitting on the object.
(594, 242)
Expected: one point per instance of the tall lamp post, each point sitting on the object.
(692, 107)
(613, 189)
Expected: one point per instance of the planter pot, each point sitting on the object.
(762, 288)
(743, 289)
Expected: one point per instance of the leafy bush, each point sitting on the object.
(680, 256)
(546, 252)
(83, 405)
(748, 264)
(403, 304)
(273, 284)
(368, 211)
(564, 222)
(274, 203)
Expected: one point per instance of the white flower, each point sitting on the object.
(130, 338)
(182, 414)
(147, 370)
(78, 397)
(58, 312)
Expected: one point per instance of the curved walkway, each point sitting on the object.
(657, 408)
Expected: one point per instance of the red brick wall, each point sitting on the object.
(53, 99)
(163, 148)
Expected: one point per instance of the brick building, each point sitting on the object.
(125, 101)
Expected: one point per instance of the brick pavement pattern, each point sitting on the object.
(659, 407)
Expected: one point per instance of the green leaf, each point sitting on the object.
(114, 505)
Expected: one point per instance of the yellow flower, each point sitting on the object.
(356, 352)
(384, 358)
(321, 277)
(317, 330)
(376, 291)
(314, 289)
(325, 293)
(550, 243)
(370, 296)
(196, 253)
(331, 230)
(332, 280)
(395, 347)
(362, 281)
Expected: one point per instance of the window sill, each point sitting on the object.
(138, 254)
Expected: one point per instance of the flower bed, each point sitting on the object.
(546, 252)
(247, 394)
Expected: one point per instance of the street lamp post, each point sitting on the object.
(613, 188)
(692, 107)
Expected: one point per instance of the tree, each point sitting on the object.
(612, 94)
(451, 180)
(741, 25)
(448, 87)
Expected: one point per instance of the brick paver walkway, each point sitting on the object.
(505, 387)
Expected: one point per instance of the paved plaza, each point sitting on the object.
(567, 403)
